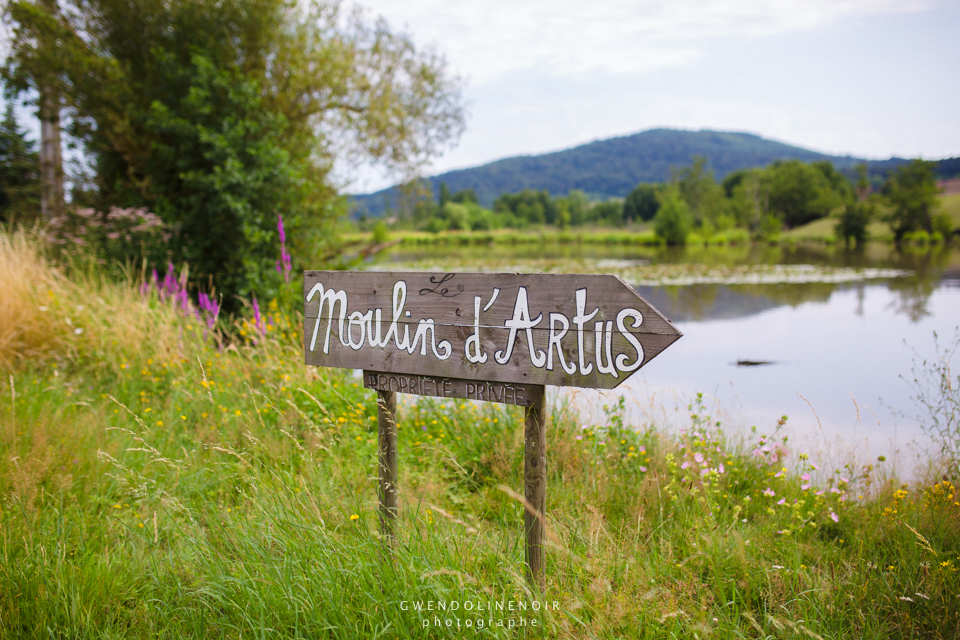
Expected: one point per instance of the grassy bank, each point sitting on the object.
(161, 478)
(818, 231)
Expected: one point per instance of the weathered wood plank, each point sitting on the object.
(535, 488)
(453, 388)
(563, 316)
(518, 369)
(545, 292)
(387, 459)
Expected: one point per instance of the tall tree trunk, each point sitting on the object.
(51, 162)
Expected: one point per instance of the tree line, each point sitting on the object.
(217, 116)
(763, 201)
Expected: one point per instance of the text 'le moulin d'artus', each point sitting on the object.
(565, 330)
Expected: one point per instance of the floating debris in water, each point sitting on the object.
(639, 274)
(754, 363)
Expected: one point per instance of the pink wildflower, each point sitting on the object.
(834, 517)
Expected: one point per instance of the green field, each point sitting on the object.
(951, 204)
(162, 478)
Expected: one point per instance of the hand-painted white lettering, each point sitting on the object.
(472, 349)
(580, 320)
(331, 297)
(496, 292)
(603, 332)
(428, 324)
(373, 330)
(360, 328)
(399, 299)
(521, 320)
(554, 342)
(361, 320)
(622, 358)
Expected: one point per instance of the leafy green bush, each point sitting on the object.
(673, 222)
(853, 222)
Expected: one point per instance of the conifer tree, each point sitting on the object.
(19, 172)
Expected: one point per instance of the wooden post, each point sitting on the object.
(387, 423)
(535, 487)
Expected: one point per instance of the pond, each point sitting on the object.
(821, 334)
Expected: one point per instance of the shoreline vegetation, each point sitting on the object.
(820, 231)
(165, 472)
(787, 201)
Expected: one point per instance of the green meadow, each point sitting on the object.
(163, 475)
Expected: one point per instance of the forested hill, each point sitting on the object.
(609, 168)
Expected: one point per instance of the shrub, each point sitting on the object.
(673, 222)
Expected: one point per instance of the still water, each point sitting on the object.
(839, 354)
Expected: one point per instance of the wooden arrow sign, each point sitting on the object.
(536, 329)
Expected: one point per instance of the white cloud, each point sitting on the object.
(487, 39)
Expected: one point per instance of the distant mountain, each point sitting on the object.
(611, 168)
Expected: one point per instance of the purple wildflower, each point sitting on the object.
(212, 307)
(170, 284)
(257, 318)
(184, 301)
(285, 259)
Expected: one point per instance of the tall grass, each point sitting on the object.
(158, 479)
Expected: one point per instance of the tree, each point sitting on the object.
(749, 202)
(529, 206)
(912, 191)
(856, 215)
(41, 66)
(801, 193)
(444, 196)
(220, 115)
(464, 196)
(700, 191)
(19, 172)
(641, 203)
(576, 204)
(608, 213)
(673, 221)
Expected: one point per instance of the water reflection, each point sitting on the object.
(842, 347)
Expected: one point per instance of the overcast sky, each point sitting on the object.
(871, 78)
